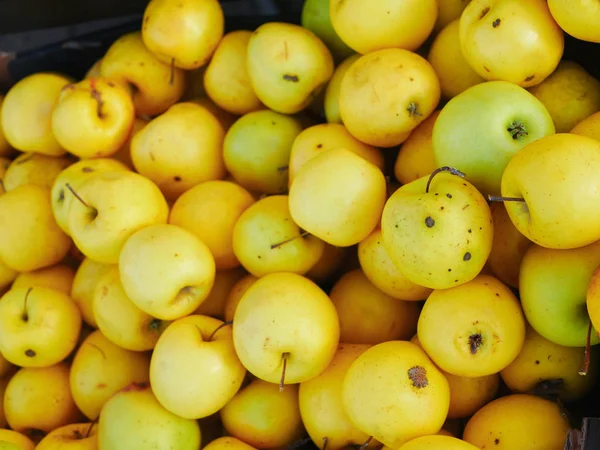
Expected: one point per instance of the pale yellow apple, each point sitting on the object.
(86, 278)
(75, 436)
(124, 153)
(40, 398)
(210, 211)
(39, 326)
(100, 368)
(18, 440)
(59, 277)
(155, 86)
(34, 168)
(113, 206)
(177, 260)
(27, 113)
(235, 295)
(227, 443)
(119, 319)
(104, 112)
(5, 148)
(31, 239)
(262, 416)
(193, 345)
(332, 91)
(225, 280)
(198, 137)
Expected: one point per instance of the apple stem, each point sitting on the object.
(588, 349)
(96, 95)
(325, 441)
(451, 170)
(98, 348)
(70, 188)
(366, 444)
(498, 198)
(25, 316)
(172, 78)
(282, 381)
(224, 324)
(517, 130)
(413, 110)
(89, 430)
(279, 244)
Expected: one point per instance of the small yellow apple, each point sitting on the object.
(75, 436)
(86, 278)
(437, 443)
(332, 91)
(235, 295)
(34, 168)
(100, 368)
(5, 148)
(27, 113)
(228, 443)
(19, 440)
(59, 277)
(590, 126)
(225, 280)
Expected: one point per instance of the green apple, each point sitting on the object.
(480, 129)
(135, 420)
(316, 18)
(553, 286)
(438, 230)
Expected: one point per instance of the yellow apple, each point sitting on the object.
(86, 278)
(183, 33)
(7, 276)
(332, 91)
(322, 408)
(195, 344)
(18, 440)
(100, 368)
(119, 319)
(227, 443)
(133, 419)
(437, 443)
(225, 118)
(39, 327)
(338, 197)
(110, 207)
(75, 436)
(27, 113)
(5, 148)
(155, 86)
(31, 239)
(34, 168)
(210, 211)
(124, 153)
(4, 163)
(179, 262)
(262, 416)
(198, 137)
(104, 113)
(225, 280)
(3, 383)
(285, 329)
(59, 277)
(235, 295)
(40, 399)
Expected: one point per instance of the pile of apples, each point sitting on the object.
(380, 229)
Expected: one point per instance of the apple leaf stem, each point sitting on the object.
(498, 198)
(451, 170)
(366, 444)
(224, 324)
(588, 348)
(25, 316)
(282, 381)
(279, 244)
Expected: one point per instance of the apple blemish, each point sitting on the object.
(475, 341)
(418, 377)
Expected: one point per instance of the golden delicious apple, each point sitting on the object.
(225, 118)
(338, 197)
(155, 86)
(34, 168)
(198, 137)
(119, 319)
(368, 315)
(263, 417)
(104, 113)
(183, 33)
(235, 295)
(288, 66)
(59, 277)
(385, 94)
(225, 280)
(590, 126)
(31, 239)
(227, 443)
(331, 98)
(195, 344)
(541, 182)
(394, 393)
(472, 330)
(27, 113)
(226, 79)
(285, 329)
(133, 419)
(322, 408)
(437, 443)
(518, 421)
(39, 326)
(210, 211)
(73, 176)
(5, 148)
(86, 278)
(109, 207)
(322, 137)
(179, 262)
(100, 368)
(257, 150)
(383, 273)
(18, 440)
(39, 398)
(438, 230)
(75, 436)
(267, 240)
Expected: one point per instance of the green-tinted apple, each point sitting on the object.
(480, 129)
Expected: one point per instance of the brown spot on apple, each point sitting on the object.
(530, 77)
(496, 23)
(30, 353)
(102, 385)
(292, 78)
(484, 12)
(418, 377)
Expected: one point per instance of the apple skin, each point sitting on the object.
(186, 347)
(472, 133)
(18, 440)
(553, 286)
(75, 436)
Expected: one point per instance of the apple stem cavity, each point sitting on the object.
(96, 95)
(25, 316)
(498, 198)
(224, 324)
(155, 324)
(451, 170)
(282, 381)
(413, 110)
(93, 211)
(517, 130)
(279, 244)
(366, 444)
(588, 348)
